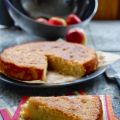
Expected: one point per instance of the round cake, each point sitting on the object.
(31, 61)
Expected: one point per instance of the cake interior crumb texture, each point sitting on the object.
(62, 108)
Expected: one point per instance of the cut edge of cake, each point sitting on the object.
(62, 108)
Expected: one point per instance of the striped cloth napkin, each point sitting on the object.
(6, 112)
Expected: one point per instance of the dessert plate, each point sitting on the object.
(44, 88)
(77, 81)
(25, 88)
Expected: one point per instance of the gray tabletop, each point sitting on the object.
(104, 36)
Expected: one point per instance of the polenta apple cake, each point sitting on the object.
(31, 61)
(62, 108)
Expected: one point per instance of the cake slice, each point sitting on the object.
(62, 108)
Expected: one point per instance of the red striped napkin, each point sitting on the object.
(5, 114)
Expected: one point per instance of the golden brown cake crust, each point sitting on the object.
(78, 108)
(76, 59)
(23, 66)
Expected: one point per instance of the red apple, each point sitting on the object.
(72, 19)
(42, 20)
(76, 35)
(57, 21)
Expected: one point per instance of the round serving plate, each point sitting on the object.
(86, 78)
(53, 88)
(45, 87)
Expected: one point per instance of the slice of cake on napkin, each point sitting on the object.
(62, 108)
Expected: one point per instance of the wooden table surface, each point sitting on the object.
(103, 36)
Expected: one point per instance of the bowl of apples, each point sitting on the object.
(52, 19)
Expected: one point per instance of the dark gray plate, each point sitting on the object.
(87, 78)
(45, 88)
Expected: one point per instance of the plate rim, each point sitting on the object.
(86, 78)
